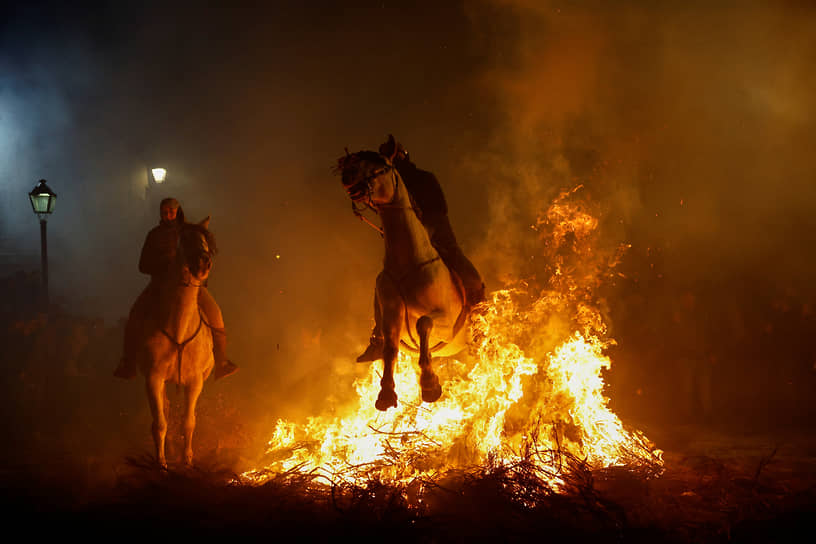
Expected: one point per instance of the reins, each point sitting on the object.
(365, 219)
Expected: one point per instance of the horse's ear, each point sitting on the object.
(389, 148)
(205, 222)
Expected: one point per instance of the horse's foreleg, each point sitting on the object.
(388, 396)
(191, 394)
(428, 380)
(156, 397)
(391, 333)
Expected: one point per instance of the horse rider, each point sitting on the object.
(157, 257)
(432, 210)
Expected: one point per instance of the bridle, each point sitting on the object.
(191, 283)
(361, 204)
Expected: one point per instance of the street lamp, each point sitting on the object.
(159, 174)
(42, 201)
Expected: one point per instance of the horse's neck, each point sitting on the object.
(178, 310)
(406, 240)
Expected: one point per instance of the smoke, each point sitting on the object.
(689, 126)
(690, 123)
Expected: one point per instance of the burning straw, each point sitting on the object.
(524, 404)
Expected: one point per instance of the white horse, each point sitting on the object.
(177, 344)
(421, 302)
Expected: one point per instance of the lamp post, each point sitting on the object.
(42, 201)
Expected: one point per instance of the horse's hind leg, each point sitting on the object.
(428, 380)
(158, 408)
(192, 392)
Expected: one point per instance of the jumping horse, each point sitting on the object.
(177, 345)
(419, 300)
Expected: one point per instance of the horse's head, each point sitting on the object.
(367, 177)
(196, 251)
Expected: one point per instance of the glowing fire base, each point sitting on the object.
(528, 391)
(484, 414)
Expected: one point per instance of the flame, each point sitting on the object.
(530, 381)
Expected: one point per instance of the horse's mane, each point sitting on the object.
(351, 160)
(209, 235)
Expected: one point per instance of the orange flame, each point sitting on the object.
(532, 374)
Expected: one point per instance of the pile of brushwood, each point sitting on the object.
(692, 499)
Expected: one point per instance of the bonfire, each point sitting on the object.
(527, 397)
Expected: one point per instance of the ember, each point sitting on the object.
(525, 392)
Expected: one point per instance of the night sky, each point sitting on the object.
(691, 125)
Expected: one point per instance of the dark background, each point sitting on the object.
(690, 124)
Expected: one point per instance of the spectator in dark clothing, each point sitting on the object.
(433, 213)
(158, 254)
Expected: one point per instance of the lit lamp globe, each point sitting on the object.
(42, 200)
(159, 174)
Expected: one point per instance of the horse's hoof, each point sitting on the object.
(386, 399)
(431, 390)
(432, 395)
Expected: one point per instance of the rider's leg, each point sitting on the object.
(374, 350)
(128, 368)
(448, 248)
(212, 313)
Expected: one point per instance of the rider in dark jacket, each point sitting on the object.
(433, 212)
(158, 254)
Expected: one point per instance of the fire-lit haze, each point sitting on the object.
(634, 180)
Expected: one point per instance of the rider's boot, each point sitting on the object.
(374, 350)
(223, 366)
